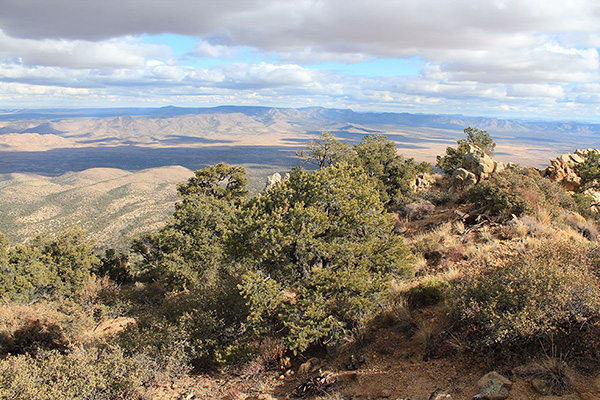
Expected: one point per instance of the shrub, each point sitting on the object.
(37, 334)
(319, 250)
(529, 296)
(392, 174)
(454, 157)
(48, 267)
(519, 192)
(95, 373)
(190, 327)
(589, 171)
(428, 292)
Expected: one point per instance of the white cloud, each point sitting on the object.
(482, 55)
(112, 53)
(534, 90)
(205, 49)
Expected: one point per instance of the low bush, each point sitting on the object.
(529, 296)
(428, 292)
(96, 373)
(520, 191)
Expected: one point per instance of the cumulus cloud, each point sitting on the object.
(206, 49)
(112, 53)
(495, 53)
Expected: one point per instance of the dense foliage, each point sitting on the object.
(47, 267)
(320, 251)
(188, 251)
(391, 173)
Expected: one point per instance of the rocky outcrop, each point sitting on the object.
(562, 169)
(479, 163)
(476, 166)
(426, 181)
(595, 196)
(462, 179)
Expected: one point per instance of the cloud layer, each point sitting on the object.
(496, 57)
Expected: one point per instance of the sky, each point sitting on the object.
(528, 59)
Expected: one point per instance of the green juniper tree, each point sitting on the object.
(326, 151)
(319, 250)
(392, 174)
(454, 156)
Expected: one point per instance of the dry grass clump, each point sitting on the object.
(424, 337)
(552, 371)
(587, 229)
(72, 320)
(439, 248)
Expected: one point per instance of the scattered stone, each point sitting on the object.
(266, 396)
(309, 366)
(318, 385)
(440, 394)
(541, 386)
(384, 393)
(355, 362)
(494, 386)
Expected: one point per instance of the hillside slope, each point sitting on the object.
(112, 204)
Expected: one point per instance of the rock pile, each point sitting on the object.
(476, 166)
(562, 169)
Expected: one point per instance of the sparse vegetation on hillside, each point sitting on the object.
(494, 272)
(548, 291)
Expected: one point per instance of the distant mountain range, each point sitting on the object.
(231, 127)
(114, 171)
(315, 114)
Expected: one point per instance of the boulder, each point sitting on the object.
(479, 163)
(439, 394)
(461, 178)
(542, 386)
(499, 166)
(425, 181)
(272, 181)
(494, 386)
(595, 195)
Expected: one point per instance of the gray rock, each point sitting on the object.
(541, 386)
(494, 386)
(272, 180)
